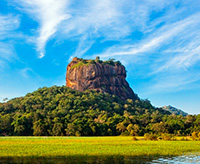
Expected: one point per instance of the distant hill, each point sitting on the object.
(174, 110)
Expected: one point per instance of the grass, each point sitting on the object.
(92, 146)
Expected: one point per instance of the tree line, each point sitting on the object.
(61, 111)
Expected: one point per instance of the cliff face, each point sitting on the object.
(99, 76)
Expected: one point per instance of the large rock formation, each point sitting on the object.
(104, 76)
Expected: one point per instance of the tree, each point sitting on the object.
(5, 99)
(38, 128)
(133, 129)
(21, 127)
(71, 129)
(197, 123)
(97, 59)
(159, 128)
(121, 127)
(5, 124)
(195, 135)
(174, 124)
(57, 129)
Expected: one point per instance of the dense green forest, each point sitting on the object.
(57, 111)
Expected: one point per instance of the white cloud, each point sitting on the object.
(49, 14)
(108, 19)
(8, 23)
(8, 26)
(183, 59)
(7, 54)
(83, 46)
(92, 17)
(155, 40)
(25, 72)
(6, 51)
(186, 52)
(112, 19)
(2, 65)
(173, 82)
(41, 55)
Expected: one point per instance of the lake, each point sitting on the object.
(186, 159)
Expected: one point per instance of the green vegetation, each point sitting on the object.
(196, 136)
(82, 62)
(112, 62)
(60, 111)
(94, 146)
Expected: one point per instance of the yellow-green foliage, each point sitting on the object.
(83, 62)
(196, 135)
(91, 146)
(151, 136)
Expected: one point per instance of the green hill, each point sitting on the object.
(62, 111)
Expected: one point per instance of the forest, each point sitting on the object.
(61, 111)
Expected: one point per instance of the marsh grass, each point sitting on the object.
(91, 148)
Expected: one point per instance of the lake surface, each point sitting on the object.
(186, 159)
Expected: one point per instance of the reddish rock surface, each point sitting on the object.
(99, 76)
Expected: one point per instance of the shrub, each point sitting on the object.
(97, 59)
(195, 136)
(166, 136)
(184, 139)
(146, 136)
(92, 62)
(199, 136)
(151, 136)
(126, 133)
(134, 138)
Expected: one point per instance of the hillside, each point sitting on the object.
(63, 111)
(174, 110)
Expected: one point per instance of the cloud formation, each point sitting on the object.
(49, 14)
(108, 19)
(8, 23)
(8, 26)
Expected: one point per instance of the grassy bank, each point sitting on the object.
(92, 146)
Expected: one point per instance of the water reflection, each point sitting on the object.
(102, 160)
(185, 159)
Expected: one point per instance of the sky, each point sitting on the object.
(158, 41)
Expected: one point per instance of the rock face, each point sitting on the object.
(99, 76)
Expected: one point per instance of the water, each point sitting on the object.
(186, 159)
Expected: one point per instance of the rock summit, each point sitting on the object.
(103, 76)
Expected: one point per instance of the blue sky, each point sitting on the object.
(157, 40)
